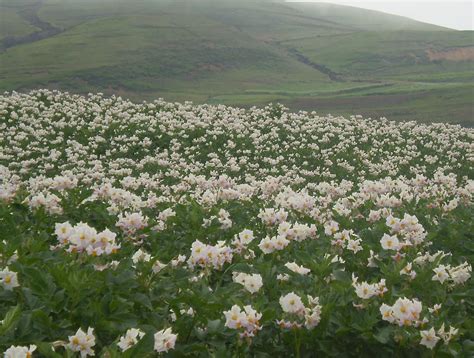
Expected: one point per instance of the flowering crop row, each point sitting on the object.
(161, 228)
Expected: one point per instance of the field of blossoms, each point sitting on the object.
(166, 229)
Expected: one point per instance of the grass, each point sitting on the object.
(11, 23)
(240, 53)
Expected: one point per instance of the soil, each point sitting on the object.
(456, 54)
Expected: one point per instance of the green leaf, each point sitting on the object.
(383, 335)
(10, 320)
(214, 326)
(46, 349)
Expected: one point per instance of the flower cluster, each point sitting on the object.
(404, 312)
(51, 203)
(276, 243)
(246, 320)
(208, 255)
(242, 240)
(165, 340)
(131, 223)
(131, 337)
(251, 282)
(82, 342)
(365, 290)
(409, 228)
(457, 275)
(83, 238)
(293, 305)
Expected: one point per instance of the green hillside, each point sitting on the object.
(321, 57)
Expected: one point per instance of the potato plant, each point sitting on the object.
(167, 229)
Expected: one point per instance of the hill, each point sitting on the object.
(325, 57)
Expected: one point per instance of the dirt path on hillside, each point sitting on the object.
(333, 76)
(30, 14)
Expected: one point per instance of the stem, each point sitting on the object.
(191, 329)
(219, 283)
(297, 343)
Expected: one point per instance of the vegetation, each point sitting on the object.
(138, 230)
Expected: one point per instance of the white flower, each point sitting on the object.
(131, 338)
(165, 340)
(82, 342)
(429, 338)
(141, 256)
(312, 313)
(435, 308)
(252, 283)
(354, 245)
(8, 279)
(331, 227)
(440, 274)
(246, 236)
(371, 261)
(292, 266)
(158, 266)
(365, 290)
(83, 238)
(266, 245)
(461, 273)
(20, 352)
(63, 231)
(390, 242)
(234, 317)
(248, 319)
(130, 223)
(210, 256)
(447, 335)
(406, 312)
(280, 242)
(387, 313)
(291, 303)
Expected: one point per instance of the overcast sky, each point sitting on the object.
(456, 14)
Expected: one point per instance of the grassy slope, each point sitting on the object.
(244, 53)
(11, 23)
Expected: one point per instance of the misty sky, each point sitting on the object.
(456, 14)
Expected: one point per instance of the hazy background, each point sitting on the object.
(455, 14)
(314, 56)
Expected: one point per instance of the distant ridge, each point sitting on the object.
(366, 19)
(306, 55)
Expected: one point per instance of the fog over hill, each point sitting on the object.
(326, 57)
